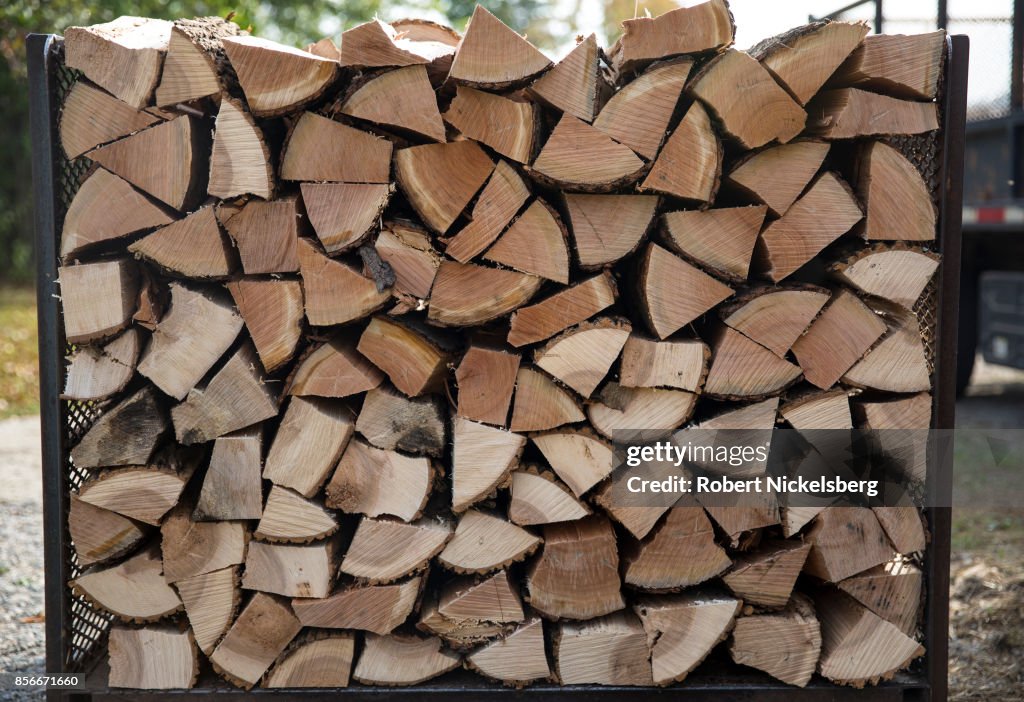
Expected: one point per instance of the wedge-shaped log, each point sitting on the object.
(335, 292)
(375, 482)
(837, 339)
(903, 526)
(440, 179)
(91, 117)
(437, 42)
(376, 44)
(892, 591)
(276, 78)
(682, 630)
(272, 311)
(258, 636)
(486, 379)
(144, 493)
(292, 570)
(491, 55)
(741, 368)
(906, 66)
(606, 228)
(412, 360)
(898, 202)
(849, 113)
(483, 457)
(698, 28)
(402, 660)
(465, 294)
(210, 600)
(578, 157)
(774, 317)
(542, 404)
(379, 609)
(343, 215)
(611, 650)
(576, 576)
(894, 273)
(663, 364)
(777, 175)
(759, 113)
(498, 202)
(460, 634)
(401, 99)
(493, 599)
(308, 444)
(133, 590)
(290, 517)
(334, 369)
(898, 363)
(690, 164)
(721, 240)
(580, 459)
(658, 410)
(483, 543)
(560, 311)
(846, 541)
(232, 487)
(194, 548)
(124, 57)
(581, 356)
(785, 644)
(240, 163)
(574, 85)
(536, 243)
(508, 126)
(517, 659)
(319, 660)
(679, 552)
(97, 372)
(392, 421)
(265, 234)
(126, 434)
(320, 149)
(193, 247)
(99, 535)
(659, 273)
(383, 550)
(539, 498)
(766, 577)
(195, 60)
(152, 658)
(98, 299)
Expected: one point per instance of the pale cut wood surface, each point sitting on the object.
(465, 294)
(411, 360)
(309, 441)
(323, 150)
(766, 578)
(606, 228)
(292, 570)
(240, 161)
(123, 57)
(392, 421)
(290, 517)
(231, 487)
(516, 659)
(777, 175)
(377, 44)
(133, 590)
(383, 551)
(775, 317)
(92, 117)
(256, 638)
(741, 368)
(542, 404)
(611, 650)
(192, 246)
(581, 356)
(344, 214)
(376, 482)
(565, 308)
(579, 157)
(574, 85)
(483, 543)
(837, 339)
(850, 113)
(265, 234)
(482, 459)
(211, 600)
(507, 126)
(152, 658)
(335, 292)
(690, 164)
(97, 372)
(892, 591)
(99, 299)
(440, 179)
(402, 99)
(100, 535)
(272, 311)
(194, 548)
(334, 369)
(579, 459)
(619, 409)
(323, 660)
(493, 56)
(661, 273)
(375, 608)
(498, 202)
(897, 363)
(898, 274)
(721, 239)
(696, 28)
(898, 202)
(127, 434)
(647, 363)
(536, 243)
(784, 644)
(486, 378)
(902, 65)
(277, 78)
(402, 660)
(679, 552)
(537, 498)
(493, 599)
(846, 541)
(144, 494)
(414, 261)
(195, 58)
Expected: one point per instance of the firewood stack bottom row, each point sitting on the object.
(363, 321)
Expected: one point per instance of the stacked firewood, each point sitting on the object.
(362, 323)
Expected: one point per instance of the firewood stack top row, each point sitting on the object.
(362, 323)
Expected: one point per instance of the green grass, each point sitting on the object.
(19, 355)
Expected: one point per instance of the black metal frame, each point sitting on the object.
(927, 684)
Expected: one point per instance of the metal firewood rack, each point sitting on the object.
(76, 631)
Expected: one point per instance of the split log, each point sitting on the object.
(499, 201)
(611, 650)
(740, 516)
(195, 60)
(784, 644)
(638, 115)
(893, 273)
(91, 117)
(849, 113)
(402, 660)
(124, 57)
(334, 369)
(859, 647)
(682, 630)
(517, 659)
(465, 294)
(898, 202)
(892, 591)
(663, 364)
(277, 78)
(899, 428)
(383, 551)
(486, 379)
(309, 442)
(407, 249)
(759, 113)
(152, 658)
(439, 180)
(106, 208)
(413, 361)
(343, 215)
(898, 363)
(661, 272)
(392, 421)
(150, 303)
(580, 157)
(210, 600)
(290, 517)
(721, 240)
(142, 493)
(539, 498)
(536, 243)
(193, 247)
(321, 660)
(235, 398)
(542, 404)
(562, 310)
(401, 99)
(906, 66)
(99, 535)
(837, 339)
(232, 487)
(765, 578)
(375, 482)
(773, 317)
(903, 526)
(194, 548)
(375, 44)
(379, 609)
(580, 459)
(272, 311)
(574, 85)
(335, 292)
(97, 372)
(292, 570)
(494, 57)
(459, 634)
(845, 541)
(133, 590)
(167, 161)
(581, 356)
(679, 552)
(240, 162)
(606, 228)
(322, 150)
(741, 368)
(698, 28)
(483, 543)
(258, 636)
(126, 434)
(194, 334)
(508, 126)
(576, 576)
(482, 460)
(265, 234)
(493, 599)
(803, 58)
(777, 175)
(825, 212)
(655, 411)
(690, 164)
